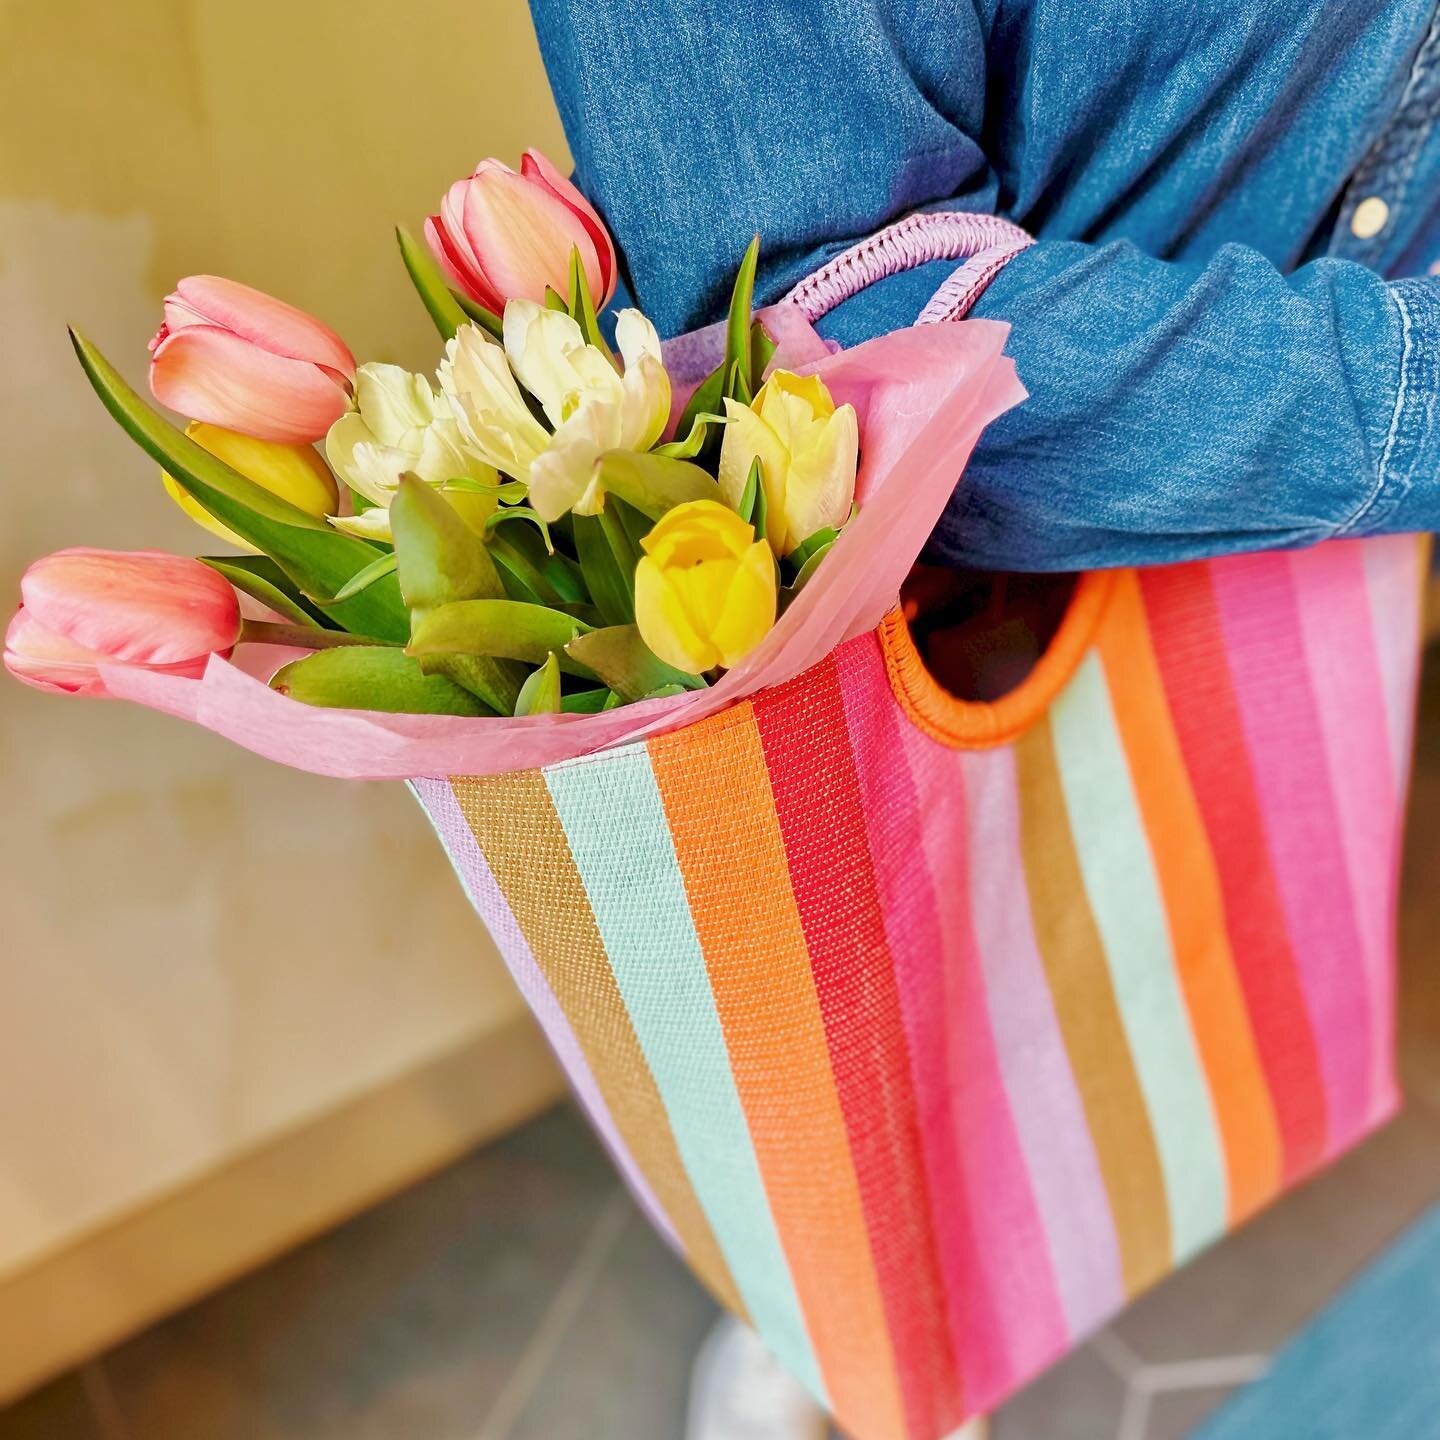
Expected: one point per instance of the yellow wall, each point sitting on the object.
(198, 949)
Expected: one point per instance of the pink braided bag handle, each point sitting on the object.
(986, 243)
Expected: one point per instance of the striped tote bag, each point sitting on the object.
(930, 1032)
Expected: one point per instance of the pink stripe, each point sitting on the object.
(1331, 586)
(1003, 1305)
(1063, 1164)
(438, 801)
(1392, 572)
(1274, 690)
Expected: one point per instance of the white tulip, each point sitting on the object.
(398, 426)
(593, 407)
(484, 398)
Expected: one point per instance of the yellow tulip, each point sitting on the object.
(293, 472)
(807, 448)
(704, 588)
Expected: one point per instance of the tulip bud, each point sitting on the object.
(704, 589)
(238, 358)
(83, 608)
(807, 450)
(501, 236)
(293, 472)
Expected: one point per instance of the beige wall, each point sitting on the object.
(198, 949)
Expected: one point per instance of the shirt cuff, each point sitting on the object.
(1406, 493)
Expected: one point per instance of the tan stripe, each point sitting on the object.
(1085, 1005)
(514, 822)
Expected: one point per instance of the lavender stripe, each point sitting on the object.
(1049, 1115)
(438, 801)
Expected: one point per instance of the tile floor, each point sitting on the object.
(518, 1296)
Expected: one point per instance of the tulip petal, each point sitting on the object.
(748, 612)
(536, 166)
(525, 234)
(748, 437)
(213, 375)
(137, 608)
(821, 484)
(293, 472)
(47, 661)
(493, 417)
(664, 624)
(265, 321)
(371, 524)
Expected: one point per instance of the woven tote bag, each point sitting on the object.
(930, 1032)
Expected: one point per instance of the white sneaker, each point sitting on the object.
(738, 1391)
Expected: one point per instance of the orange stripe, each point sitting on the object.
(1089, 1015)
(1190, 885)
(514, 822)
(716, 791)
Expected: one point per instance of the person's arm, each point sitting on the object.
(1175, 410)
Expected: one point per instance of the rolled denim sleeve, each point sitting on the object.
(1176, 410)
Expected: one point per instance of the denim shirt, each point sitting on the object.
(1219, 350)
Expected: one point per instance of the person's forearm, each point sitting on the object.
(1178, 411)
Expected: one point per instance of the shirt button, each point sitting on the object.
(1369, 218)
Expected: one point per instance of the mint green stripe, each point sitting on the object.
(614, 820)
(1124, 894)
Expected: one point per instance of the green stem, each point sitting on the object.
(302, 637)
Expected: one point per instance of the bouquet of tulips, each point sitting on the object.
(516, 536)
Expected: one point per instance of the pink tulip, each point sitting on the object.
(85, 608)
(502, 236)
(236, 357)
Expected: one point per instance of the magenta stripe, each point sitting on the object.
(1003, 1304)
(1274, 690)
(438, 801)
(1050, 1114)
(1332, 589)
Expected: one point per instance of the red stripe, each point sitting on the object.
(818, 802)
(1190, 648)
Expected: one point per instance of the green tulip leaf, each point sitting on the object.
(376, 570)
(540, 694)
(317, 559)
(582, 306)
(504, 629)
(508, 492)
(625, 663)
(262, 579)
(522, 512)
(654, 483)
(485, 318)
(611, 591)
(554, 300)
(762, 352)
(585, 702)
(708, 399)
(363, 677)
(754, 506)
(694, 441)
(737, 384)
(664, 692)
(809, 566)
(822, 539)
(737, 325)
(429, 282)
